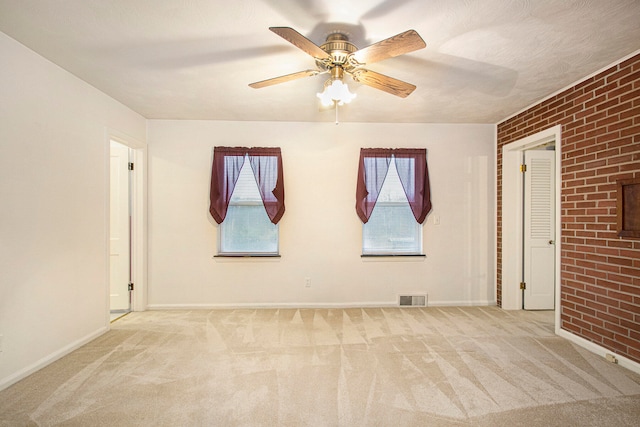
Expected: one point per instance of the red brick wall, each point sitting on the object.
(600, 277)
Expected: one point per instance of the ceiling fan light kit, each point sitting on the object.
(335, 90)
(338, 56)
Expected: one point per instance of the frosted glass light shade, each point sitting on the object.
(338, 92)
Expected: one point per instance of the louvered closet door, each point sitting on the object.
(539, 230)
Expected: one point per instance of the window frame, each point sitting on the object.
(369, 186)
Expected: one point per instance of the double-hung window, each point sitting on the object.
(392, 200)
(247, 199)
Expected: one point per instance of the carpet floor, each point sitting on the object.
(437, 366)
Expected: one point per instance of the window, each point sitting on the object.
(247, 199)
(391, 228)
(392, 200)
(247, 228)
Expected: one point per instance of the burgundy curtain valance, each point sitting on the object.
(266, 164)
(411, 164)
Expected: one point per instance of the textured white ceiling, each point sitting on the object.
(194, 59)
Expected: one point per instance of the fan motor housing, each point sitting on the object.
(339, 48)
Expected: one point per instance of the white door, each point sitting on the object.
(119, 247)
(539, 230)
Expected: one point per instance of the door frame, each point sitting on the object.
(138, 219)
(512, 213)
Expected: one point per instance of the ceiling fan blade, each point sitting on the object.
(285, 78)
(385, 83)
(300, 41)
(399, 44)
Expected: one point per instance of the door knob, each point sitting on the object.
(551, 242)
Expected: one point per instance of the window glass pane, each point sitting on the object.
(247, 228)
(392, 228)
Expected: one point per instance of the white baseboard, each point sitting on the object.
(310, 305)
(265, 305)
(23, 373)
(599, 350)
(461, 303)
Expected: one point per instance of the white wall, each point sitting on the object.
(53, 216)
(320, 234)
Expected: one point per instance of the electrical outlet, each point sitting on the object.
(1, 343)
(436, 220)
(307, 282)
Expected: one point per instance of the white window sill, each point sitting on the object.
(247, 256)
(393, 257)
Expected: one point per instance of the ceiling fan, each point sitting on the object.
(338, 56)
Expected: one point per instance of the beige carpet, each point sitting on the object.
(328, 367)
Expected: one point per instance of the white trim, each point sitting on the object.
(577, 82)
(267, 305)
(495, 213)
(599, 350)
(512, 212)
(390, 304)
(47, 360)
(139, 230)
(107, 227)
(511, 229)
(483, 303)
(397, 257)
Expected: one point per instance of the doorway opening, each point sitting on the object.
(517, 252)
(126, 256)
(120, 216)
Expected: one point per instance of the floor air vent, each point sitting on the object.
(413, 300)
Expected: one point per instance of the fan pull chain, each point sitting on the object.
(336, 104)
